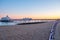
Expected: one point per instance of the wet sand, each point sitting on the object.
(26, 32)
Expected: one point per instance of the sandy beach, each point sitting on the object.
(26, 32)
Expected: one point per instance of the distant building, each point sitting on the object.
(5, 19)
(27, 19)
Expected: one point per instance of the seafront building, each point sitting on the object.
(6, 19)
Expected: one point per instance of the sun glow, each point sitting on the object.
(32, 16)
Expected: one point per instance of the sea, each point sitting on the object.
(17, 22)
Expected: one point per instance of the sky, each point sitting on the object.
(36, 9)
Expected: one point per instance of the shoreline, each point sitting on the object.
(30, 23)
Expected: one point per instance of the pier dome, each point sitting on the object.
(5, 19)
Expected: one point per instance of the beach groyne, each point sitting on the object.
(30, 23)
(52, 33)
